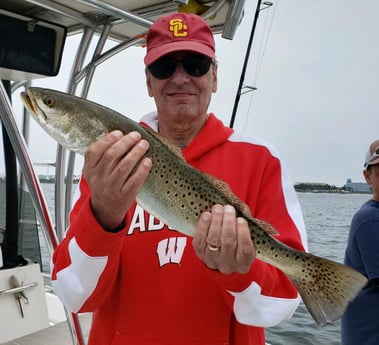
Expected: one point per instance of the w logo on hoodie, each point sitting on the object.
(170, 250)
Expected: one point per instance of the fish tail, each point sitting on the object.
(326, 287)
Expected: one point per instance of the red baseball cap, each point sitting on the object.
(179, 31)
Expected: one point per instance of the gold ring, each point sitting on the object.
(213, 249)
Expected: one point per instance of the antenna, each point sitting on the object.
(246, 61)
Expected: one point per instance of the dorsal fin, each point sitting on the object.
(240, 206)
(267, 227)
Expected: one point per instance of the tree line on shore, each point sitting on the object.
(320, 188)
(51, 178)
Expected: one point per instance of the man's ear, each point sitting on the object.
(367, 176)
(148, 82)
(214, 76)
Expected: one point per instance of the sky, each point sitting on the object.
(314, 65)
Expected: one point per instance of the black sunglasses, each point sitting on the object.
(195, 65)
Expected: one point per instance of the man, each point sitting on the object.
(360, 323)
(146, 283)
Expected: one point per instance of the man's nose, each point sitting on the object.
(180, 75)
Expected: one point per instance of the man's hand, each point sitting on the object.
(223, 242)
(115, 172)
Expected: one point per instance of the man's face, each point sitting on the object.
(182, 97)
(372, 178)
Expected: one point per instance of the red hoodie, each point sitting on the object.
(146, 285)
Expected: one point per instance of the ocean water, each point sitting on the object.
(327, 218)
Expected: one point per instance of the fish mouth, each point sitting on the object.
(26, 99)
(30, 104)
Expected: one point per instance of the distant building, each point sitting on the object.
(357, 187)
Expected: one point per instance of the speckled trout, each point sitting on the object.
(177, 194)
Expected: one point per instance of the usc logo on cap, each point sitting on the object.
(178, 28)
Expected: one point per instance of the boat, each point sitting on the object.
(33, 34)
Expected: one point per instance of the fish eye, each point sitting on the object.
(50, 102)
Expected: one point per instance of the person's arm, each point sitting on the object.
(367, 239)
(85, 264)
(258, 293)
